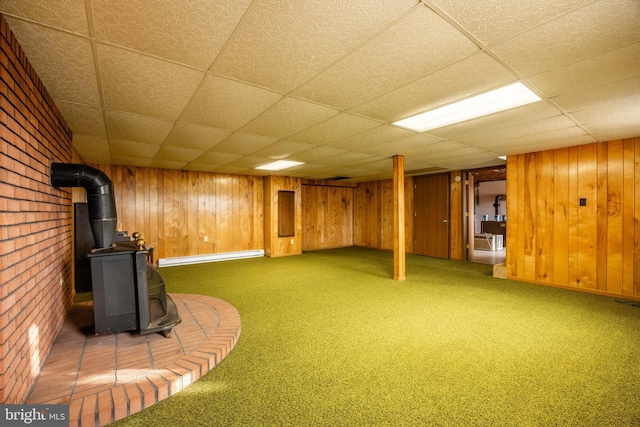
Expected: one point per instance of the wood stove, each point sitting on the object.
(128, 292)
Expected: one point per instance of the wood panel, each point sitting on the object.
(576, 212)
(456, 217)
(544, 218)
(614, 216)
(182, 213)
(327, 217)
(602, 235)
(629, 254)
(367, 221)
(587, 215)
(636, 215)
(560, 225)
(281, 246)
(373, 214)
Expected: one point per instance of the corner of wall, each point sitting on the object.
(36, 289)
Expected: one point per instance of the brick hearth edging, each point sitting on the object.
(108, 377)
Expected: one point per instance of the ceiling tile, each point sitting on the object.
(558, 138)
(148, 86)
(237, 170)
(512, 132)
(351, 158)
(419, 44)
(194, 136)
(122, 148)
(64, 62)
(217, 158)
(227, 104)
(244, 143)
(434, 153)
(68, 15)
(369, 138)
(179, 154)
(250, 162)
(475, 74)
(287, 117)
(338, 127)
(281, 44)
(517, 116)
(608, 67)
(283, 149)
(610, 93)
(88, 145)
(319, 153)
(447, 151)
(491, 21)
(403, 146)
(189, 33)
(134, 127)
(83, 120)
(596, 28)
(612, 121)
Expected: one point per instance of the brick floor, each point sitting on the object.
(104, 378)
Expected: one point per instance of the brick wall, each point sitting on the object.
(35, 223)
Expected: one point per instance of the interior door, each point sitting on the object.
(431, 215)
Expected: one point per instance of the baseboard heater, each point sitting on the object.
(197, 259)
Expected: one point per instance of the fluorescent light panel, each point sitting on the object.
(514, 95)
(279, 165)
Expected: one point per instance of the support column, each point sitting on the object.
(398, 219)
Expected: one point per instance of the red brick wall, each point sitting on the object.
(35, 223)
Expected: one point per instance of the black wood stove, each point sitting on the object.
(128, 292)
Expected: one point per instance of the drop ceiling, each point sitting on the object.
(225, 86)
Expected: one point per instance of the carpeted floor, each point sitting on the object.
(329, 339)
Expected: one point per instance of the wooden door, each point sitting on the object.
(431, 216)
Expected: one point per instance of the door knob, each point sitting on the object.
(444, 221)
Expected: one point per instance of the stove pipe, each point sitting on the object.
(101, 201)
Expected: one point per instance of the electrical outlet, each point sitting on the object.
(293, 241)
(206, 238)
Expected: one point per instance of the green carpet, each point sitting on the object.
(329, 339)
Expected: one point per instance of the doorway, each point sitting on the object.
(487, 215)
(431, 215)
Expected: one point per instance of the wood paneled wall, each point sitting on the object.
(457, 226)
(373, 214)
(553, 238)
(276, 246)
(327, 217)
(183, 213)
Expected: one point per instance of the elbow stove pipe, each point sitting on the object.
(100, 198)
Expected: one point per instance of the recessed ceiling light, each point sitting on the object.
(487, 103)
(279, 165)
